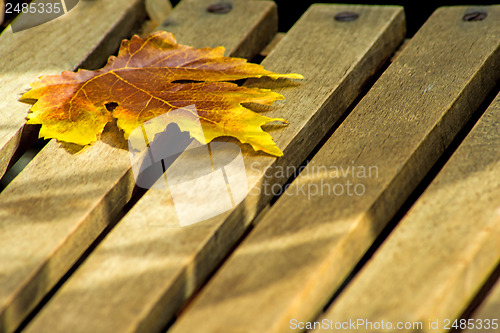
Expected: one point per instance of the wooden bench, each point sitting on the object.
(392, 224)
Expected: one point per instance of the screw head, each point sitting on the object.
(346, 16)
(474, 16)
(220, 8)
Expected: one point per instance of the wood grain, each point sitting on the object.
(148, 265)
(444, 249)
(158, 10)
(82, 38)
(61, 202)
(245, 43)
(307, 243)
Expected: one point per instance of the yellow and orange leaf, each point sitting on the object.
(143, 80)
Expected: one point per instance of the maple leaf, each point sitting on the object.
(143, 81)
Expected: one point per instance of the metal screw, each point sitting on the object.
(346, 16)
(220, 8)
(474, 16)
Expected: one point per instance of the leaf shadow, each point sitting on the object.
(111, 135)
(71, 148)
(268, 83)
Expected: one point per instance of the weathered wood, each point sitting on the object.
(148, 265)
(487, 312)
(58, 205)
(246, 43)
(158, 10)
(444, 249)
(83, 37)
(307, 243)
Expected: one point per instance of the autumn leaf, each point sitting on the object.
(151, 77)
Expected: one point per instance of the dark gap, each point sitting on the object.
(163, 167)
(137, 194)
(169, 324)
(479, 297)
(257, 59)
(22, 162)
(416, 13)
(185, 81)
(421, 187)
(238, 82)
(29, 137)
(9, 17)
(174, 2)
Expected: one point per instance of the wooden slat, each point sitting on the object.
(85, 36)
(307, 243)
(148, 265)
(447, 245)
(487, 313)
(58, 205)
(246, 43)
(158, 10)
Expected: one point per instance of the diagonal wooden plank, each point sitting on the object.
(246, 43)
(83, 37)
(148, 265)
(444, 249)
(307, 243)
(488, 313)
(158, 10)
(59, 204)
